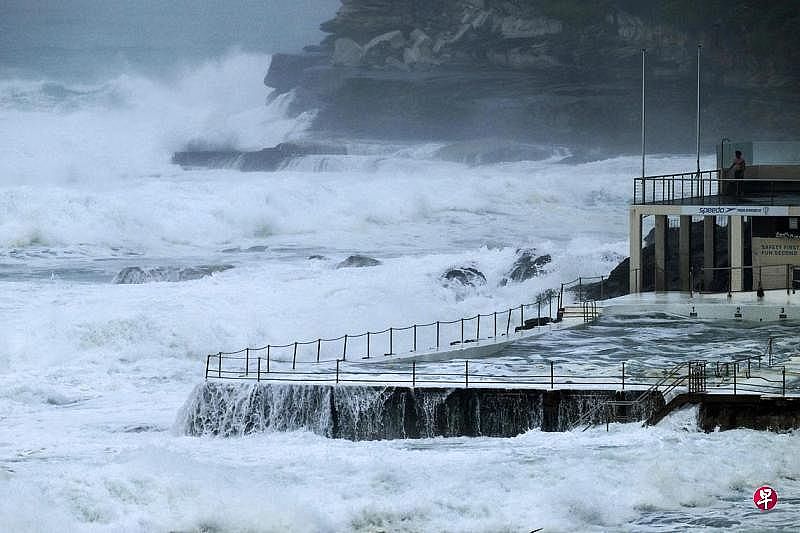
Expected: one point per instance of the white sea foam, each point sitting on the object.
(92, 374)
(129, 126)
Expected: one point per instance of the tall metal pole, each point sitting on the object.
(644, 50)
(699, 47)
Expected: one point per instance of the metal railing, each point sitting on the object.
(697, 378)
(710, 186)
(582, 287)
(761, 277)
(450, 374)
(458, 373)
(441, 335)
(672, 187)
(707, 280)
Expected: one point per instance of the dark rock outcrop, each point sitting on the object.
(528, 265)
(249, 249)
(357, 261)
(467, 276)
(562, 72)
(136, 275)
(268, 159)
(488, 151)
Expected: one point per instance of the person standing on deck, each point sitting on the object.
(738, 167)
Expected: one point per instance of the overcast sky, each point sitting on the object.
(41, 32)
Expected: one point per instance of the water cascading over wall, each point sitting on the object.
(370, 413)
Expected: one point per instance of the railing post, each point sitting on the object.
(319, 346)
(268, 358)
(734, 379)
(247, 361)
(413, 374)
(552, 376)
(414, 347)
(580, 289)
(258, 376)
(437, 334)
(521, 316)
(623, 375)
(337, 371)
(208, 359)
(344, 350)
(478, 329)
(466, 374)
(391, 341)
(770, 350)
(294, 355)
(495, 325)
(462, 331)
(508, 324)
(368, 345)
(219, 366)
(783, 386)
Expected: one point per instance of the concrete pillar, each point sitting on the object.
(709, 250)
(661, 252)
(685, 251)
(736, 251)
(635, 245)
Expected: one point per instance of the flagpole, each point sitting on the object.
(644, 50)
(699, 47)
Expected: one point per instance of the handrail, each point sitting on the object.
(664, 187)
(672, 188)
(428, 336)
(673, 378)
(474, 373)
(668, 375)
(544, 375)
(786, 271)
(705, 281)
(582, 296)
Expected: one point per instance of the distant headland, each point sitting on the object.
(561, 72)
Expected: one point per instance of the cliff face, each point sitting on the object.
(557, 70)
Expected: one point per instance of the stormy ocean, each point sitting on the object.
(94, 371)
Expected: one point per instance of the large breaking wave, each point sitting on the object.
(129, 125)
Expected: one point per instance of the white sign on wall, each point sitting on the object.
(770, 259)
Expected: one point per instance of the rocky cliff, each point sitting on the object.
(562, 71)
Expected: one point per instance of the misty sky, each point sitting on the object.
(53, 35)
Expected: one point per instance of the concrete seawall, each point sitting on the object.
(748, 411)
(370, 413)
